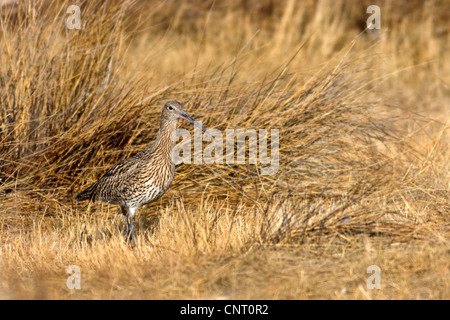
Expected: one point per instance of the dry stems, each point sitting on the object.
(363, 120)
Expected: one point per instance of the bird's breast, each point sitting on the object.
(156, 179)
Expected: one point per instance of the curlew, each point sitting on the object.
(144, 177)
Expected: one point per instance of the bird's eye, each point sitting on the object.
(170, 108)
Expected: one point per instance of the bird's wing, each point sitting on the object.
(122, 168)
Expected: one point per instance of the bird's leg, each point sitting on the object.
(126, 233)
(130, 231)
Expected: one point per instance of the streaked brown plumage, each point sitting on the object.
(144, 177)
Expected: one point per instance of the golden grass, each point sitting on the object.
(208, 253)
(364, 160)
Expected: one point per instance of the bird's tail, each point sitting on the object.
(87, 194)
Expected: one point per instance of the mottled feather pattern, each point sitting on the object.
(141, 178)
(144, 177)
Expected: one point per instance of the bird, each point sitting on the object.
(143, 177)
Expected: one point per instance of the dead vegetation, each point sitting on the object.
(363, 125)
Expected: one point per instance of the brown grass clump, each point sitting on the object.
(363, 173)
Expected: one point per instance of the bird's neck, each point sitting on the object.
(164, 143)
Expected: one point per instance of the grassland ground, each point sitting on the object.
(363, 177)
(181, 256)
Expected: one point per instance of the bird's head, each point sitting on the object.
(173, 110)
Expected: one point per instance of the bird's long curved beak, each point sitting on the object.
(185, 116)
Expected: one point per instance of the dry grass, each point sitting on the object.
(364, 160)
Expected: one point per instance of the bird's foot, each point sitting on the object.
(130, 235)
